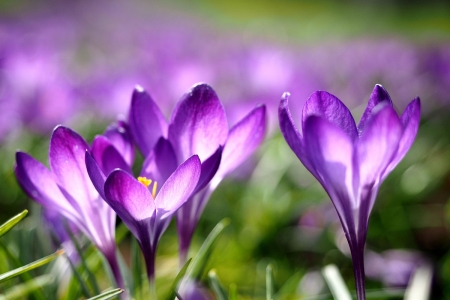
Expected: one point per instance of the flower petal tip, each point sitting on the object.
(284, 102)
(379, 90)
(200, 85)
(196, 158)
(20, 155)
(285, 96)
(139, 89)
(416, 105)
(381, 95)
(62, 131)
(379, 86)
(58, 128)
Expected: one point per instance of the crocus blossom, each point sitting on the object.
(198, 126)
(395, 267)
(351, 161)
(145, 208)
(66, 187)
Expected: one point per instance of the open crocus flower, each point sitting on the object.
(351, 161)
(198, 126)
(144, 206)
(68, 189)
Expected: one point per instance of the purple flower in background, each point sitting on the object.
(192, 290)
(66, 187)
(198, 126)
(54, 221)
(144, 207)
(393, 268)
(351, 161)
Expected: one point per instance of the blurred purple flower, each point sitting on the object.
(142, 206)
(55, 222)
(68, 189)
(351, 161)
(198, 126)
(192, 290)
(393, 267)
(86, 69)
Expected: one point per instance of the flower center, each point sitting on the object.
(147, 182)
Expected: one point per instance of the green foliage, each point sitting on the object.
(24, 290)
(216, 286)
(198, 265)
(174, 287)
(108, 294)
(4, 228)
(29, 267)
(269, 283)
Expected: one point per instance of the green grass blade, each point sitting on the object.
(23, 290)
(78, 279)
(31, 266)
(336, 283)
(136, 267)
(233, 294)
(197, 267)
(121, 232)
(290, 287)
(37, 294)
(4, 228)
(176, 282)
(91, 277)
(269, 282)
(108, 294)
(216, 286)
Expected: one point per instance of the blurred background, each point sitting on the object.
(76, 63)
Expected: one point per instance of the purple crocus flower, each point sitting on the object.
(395, 267)
(198, 126)
(145, 208)
(66, 187)
(351, 161)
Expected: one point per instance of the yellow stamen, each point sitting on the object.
(145, 181)
(155, 185)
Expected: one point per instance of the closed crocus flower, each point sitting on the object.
(66, 187)
(146, 204)
(198, 126)
(351, 161)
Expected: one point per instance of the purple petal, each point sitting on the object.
(67, 162)
(39, 183)
(129, 198)
(243, 139)
(107, 156)
(331, 154)
(188, 216)
(177, 189)
(147, 123)
(160, 163)
(199, 124)
(209, 169)
(120, 137)
(378, 145)
(95, 174)
(375, 151)
(291, 133)
(410, 120)
(379, 95)
(329, 107)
